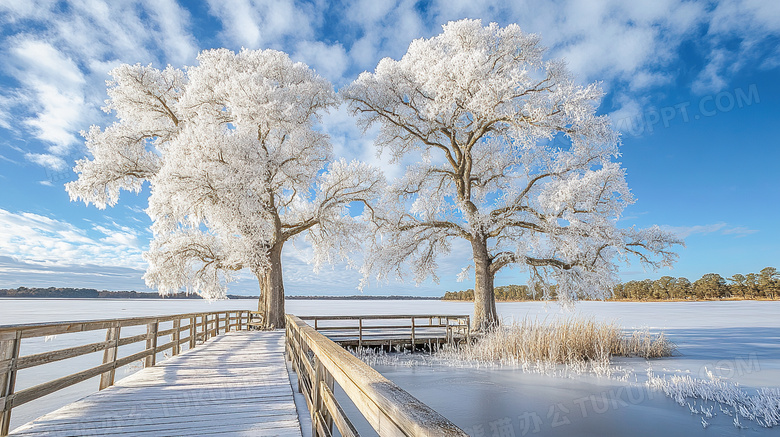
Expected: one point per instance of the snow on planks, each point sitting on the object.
(235, 384)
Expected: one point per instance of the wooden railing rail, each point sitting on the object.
(391, 411)
(453, 325)
(198, 328)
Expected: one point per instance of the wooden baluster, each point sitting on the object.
(316, 398)
(175, 337)
(326, 416)
(193, 332)
(412, 334)
(151, 343)
(109, 356)
(9, 350)
(360, 332)
(204, 325)
(297, 357)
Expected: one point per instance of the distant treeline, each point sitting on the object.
(364, 297)
(712, 286)
(91, 293)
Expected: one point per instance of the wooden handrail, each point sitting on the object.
(391, 411)
(387, 316)
(453, 325)
(200, 327)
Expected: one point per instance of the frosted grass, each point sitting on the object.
(572, 345)
(762, 407)
(570, 341)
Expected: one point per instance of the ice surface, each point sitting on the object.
(736, 341)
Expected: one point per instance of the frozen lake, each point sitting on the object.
(736, 341)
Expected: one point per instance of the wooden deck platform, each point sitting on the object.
(234, 384)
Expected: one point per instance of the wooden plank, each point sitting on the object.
(235, 383)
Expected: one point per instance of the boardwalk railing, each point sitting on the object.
(198, 327)
(392, 329)
(391, 411)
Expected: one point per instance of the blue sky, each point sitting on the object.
(692, 85)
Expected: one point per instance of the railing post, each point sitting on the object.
(193, 331)
(413, 335)
(204, 326)
(109, 356)
(9, 350)
(360, 332)
(151, 343)
(287, 355)
(299, 356)
(176, 336)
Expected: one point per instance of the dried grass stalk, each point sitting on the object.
(572, 340)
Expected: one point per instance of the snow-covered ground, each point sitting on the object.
(737, 342)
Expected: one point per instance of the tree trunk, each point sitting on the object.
(271, 303)
(485, 315)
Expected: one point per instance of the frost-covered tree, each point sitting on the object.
(236, 169)
(512, 159)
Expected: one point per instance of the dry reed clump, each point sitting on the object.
(571, 341)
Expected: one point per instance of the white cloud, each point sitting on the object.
(739, 231)
(742, 16)
(386, 28)
(7, 159)
(720, 228)
(45, 241)
(710, 79)
(18, 273)
(56, 85)
(350, 142)
(329, 61)
(15, 10)
(59, 55)
(178, 44)
(262, 23)
(47, 160)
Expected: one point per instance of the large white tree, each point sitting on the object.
(236, 169)
(512, 159)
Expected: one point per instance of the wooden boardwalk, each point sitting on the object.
(234, 384)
